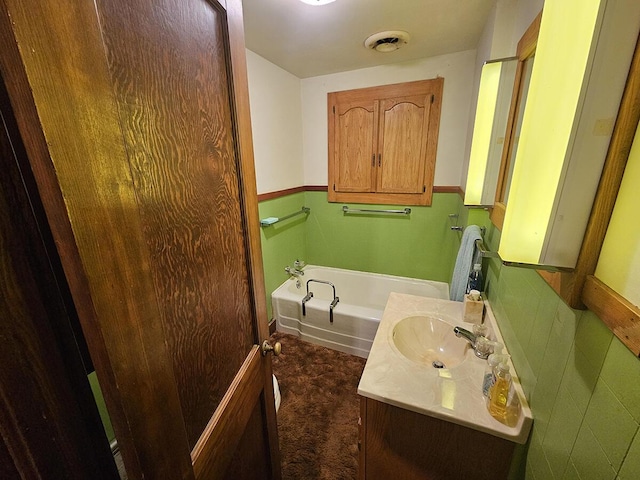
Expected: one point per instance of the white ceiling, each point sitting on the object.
(311, 40)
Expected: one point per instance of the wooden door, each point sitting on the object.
(136, 115)
(402, 144)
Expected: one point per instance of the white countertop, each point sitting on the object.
(453, 394)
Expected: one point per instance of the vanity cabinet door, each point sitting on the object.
(398, 443)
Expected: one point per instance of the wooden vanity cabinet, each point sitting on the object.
(399, 444)
(383, 141)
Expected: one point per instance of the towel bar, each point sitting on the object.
(265, 222)
(346, 209)
(484, 252)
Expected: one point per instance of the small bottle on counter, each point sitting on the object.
(475, 278)
(499, 393)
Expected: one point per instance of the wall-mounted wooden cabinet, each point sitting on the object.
(383, 142)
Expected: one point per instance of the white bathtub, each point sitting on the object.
(362, 295)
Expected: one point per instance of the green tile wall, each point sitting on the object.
(582, 383)
(283, 242)
(102, 408)
(421, 245)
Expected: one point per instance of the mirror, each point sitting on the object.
(515, 139)
(490, 125)
(526, 55)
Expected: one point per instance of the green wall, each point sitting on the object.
(283, 242)
(582, 383)
(420, 245)
(102, 408)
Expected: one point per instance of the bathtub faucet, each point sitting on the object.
(296, 273)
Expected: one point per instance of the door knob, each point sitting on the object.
(266, 348)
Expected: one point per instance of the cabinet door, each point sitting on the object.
(402, 144)
(383, 142)
(355, 137)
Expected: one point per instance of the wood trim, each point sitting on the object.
(417, 199)
(526, 48)
(387, 91)
(497, 214)
(529, 40)
(569, 285)
(620, 315)
(316, 188)
(280, 193)
(230, 417)
(323, 188)
(362, 446)
(242, 119)
(449, 189)
(252, 224)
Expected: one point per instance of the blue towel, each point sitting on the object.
(464, 262)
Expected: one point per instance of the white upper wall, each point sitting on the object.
(507, 22)
(483, 53)
(527, 11)
(457, 69)
(289, 115)
(276, 113)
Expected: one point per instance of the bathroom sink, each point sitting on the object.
(429, 340)
(413, 333)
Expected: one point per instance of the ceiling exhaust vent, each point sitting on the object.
(387, 41)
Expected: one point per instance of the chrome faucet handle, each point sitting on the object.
(481, 345)
(298, 264)
(294, 272)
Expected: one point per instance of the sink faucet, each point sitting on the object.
(481, 346)
(466, 334)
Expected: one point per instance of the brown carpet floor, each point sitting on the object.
(318, 416)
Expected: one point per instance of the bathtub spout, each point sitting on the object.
(331, 307)
(295, 273)
(304, 301)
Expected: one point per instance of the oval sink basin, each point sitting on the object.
(430, 341)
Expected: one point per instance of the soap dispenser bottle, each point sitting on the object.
(493, 360)
(499, 393)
